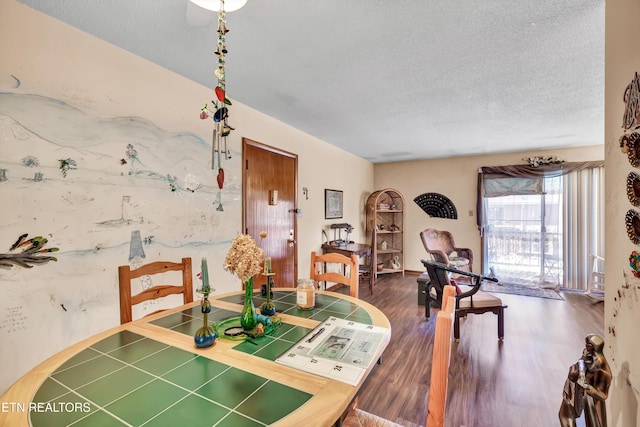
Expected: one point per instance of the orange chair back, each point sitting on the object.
(440, 362)
(320, 273)
(125, 274)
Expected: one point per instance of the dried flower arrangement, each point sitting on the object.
(244, 259)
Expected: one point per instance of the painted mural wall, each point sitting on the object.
(622, 296)
(104, 155)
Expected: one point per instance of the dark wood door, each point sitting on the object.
(265, 170)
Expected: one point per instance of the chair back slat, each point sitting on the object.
(125, 275)
(439, 372)
(319, 273)
(440, 362)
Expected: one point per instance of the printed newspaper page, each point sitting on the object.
(338, 349)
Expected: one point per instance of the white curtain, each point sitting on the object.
(583, 216)
(580, 221)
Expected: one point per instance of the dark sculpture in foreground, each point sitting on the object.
(587, 387)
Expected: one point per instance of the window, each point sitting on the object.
(541, 226)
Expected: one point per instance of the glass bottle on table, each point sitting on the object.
(306, 294)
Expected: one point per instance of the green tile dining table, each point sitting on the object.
(149, 373)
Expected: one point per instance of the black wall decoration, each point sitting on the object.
(436, 205)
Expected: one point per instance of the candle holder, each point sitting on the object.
(268, 308)
(206, 335)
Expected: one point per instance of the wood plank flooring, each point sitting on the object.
(514, 383)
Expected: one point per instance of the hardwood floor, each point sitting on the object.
(517, 382)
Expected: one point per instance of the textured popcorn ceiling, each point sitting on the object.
(386, 80)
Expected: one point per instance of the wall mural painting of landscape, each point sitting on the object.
(103, 192)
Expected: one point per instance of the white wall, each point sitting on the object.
(455, 178)
(65, 94)
(622, 298)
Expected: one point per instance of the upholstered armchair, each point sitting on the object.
(443, 249)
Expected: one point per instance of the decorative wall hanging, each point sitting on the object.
(436, 205)
(632, 221)
(631, 118)
(543, 160)
(219, 110)
(634, 263)
(633, 148)
(633, 188)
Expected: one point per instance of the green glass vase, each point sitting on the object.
(248, 316)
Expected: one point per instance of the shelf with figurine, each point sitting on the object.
(385, 215)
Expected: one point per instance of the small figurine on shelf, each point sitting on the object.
(395, 263)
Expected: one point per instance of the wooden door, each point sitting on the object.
(267, 169)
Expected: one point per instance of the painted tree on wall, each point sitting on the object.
(30, 255)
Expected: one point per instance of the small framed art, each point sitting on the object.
(332, 204)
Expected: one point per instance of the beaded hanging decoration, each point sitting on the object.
(219, 111)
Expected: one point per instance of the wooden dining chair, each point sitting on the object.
(322, 270)
(437, 403)
(125, 274)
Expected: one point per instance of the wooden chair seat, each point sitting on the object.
(480, 299)
(359, 418)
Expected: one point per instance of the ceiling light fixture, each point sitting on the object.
(219, 110)
(229, 5)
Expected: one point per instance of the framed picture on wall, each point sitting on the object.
(332, 204)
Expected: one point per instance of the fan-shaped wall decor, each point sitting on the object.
(436, 205)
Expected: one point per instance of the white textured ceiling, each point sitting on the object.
(386, 80)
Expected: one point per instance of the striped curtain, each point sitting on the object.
(583, 212)
(583, 193)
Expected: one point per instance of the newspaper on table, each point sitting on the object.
(338, 349)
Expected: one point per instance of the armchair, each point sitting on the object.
(443, 249)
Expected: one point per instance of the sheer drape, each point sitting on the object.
(582, 214)
(584, 224)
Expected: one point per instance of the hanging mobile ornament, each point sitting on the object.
(220, 115)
